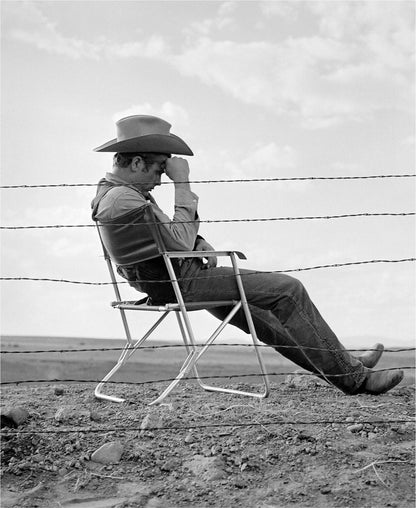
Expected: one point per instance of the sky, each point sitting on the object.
(258, 89)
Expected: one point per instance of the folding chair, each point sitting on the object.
(151, 246)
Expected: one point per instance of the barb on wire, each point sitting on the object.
(196, 426)
(233, 180)
(216, 221)
(169, 346)
(189, 378)
(254, 272)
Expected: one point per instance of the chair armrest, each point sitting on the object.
(204, 253)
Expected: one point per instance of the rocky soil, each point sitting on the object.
(208, 450)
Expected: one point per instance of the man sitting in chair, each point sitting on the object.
(283, 314)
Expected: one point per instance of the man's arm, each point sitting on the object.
(202, 244)
(181, 232)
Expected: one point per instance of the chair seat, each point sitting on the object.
(166, 307)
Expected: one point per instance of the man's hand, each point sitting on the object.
(177, 169)
(202, 244)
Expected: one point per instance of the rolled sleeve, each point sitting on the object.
(180, 232)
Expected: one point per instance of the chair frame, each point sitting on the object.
(181, 310)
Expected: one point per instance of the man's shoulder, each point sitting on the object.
(119, 200)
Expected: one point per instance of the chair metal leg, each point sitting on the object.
(251, 327)
(229, 390)
(193, 357)
(127, 352)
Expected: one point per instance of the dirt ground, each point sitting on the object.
(210, 450)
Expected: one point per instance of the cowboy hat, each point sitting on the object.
(145, 133)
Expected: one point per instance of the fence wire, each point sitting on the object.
(253, 272)
(190, 378)
(216, 221)
(169, 346)
(232, 180)
(99, 430)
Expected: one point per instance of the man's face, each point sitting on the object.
(151, 171)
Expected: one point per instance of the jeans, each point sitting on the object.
(284, 318)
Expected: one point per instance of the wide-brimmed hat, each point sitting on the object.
(145, 133)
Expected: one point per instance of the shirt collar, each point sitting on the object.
(112, 178)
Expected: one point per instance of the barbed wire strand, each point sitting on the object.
(254, 272)
(189, 378)
(232, 180)
(216, 221)
(10, 433)
(166, 346)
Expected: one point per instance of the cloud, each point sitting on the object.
(173, 113)
(358, 61)
(286, 10)
(319, 79)
(247, 79)
(222, 19)
(263, 160)
(284, 78)
(28, 24)
(383, 30)
(269, 158)
(409, 141)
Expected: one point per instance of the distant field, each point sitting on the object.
(148, 364)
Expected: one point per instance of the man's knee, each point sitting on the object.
(294, 287)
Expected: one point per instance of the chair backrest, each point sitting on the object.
(132, 238)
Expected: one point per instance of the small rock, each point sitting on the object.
(325, 490)
(7, 422)
(240, 483)
(108, 453)
(355, 428)
(67, 413)
(169, 465)
(58, 390)
(301, 379)
(95, 416)
(215, 450)
(371, 435)
(151, 421)
(13, 416)
(217, 474)
(350, 419)
(207, 468)
(189, 438)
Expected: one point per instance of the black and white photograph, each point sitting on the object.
(208, 284)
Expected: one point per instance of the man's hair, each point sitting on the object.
(123, 160)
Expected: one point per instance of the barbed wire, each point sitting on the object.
(215, 221)
(232, 180)
(254, 272)
(167, 346)
(9, 433)
(191, 378)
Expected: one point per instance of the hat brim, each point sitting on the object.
(158, 143)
